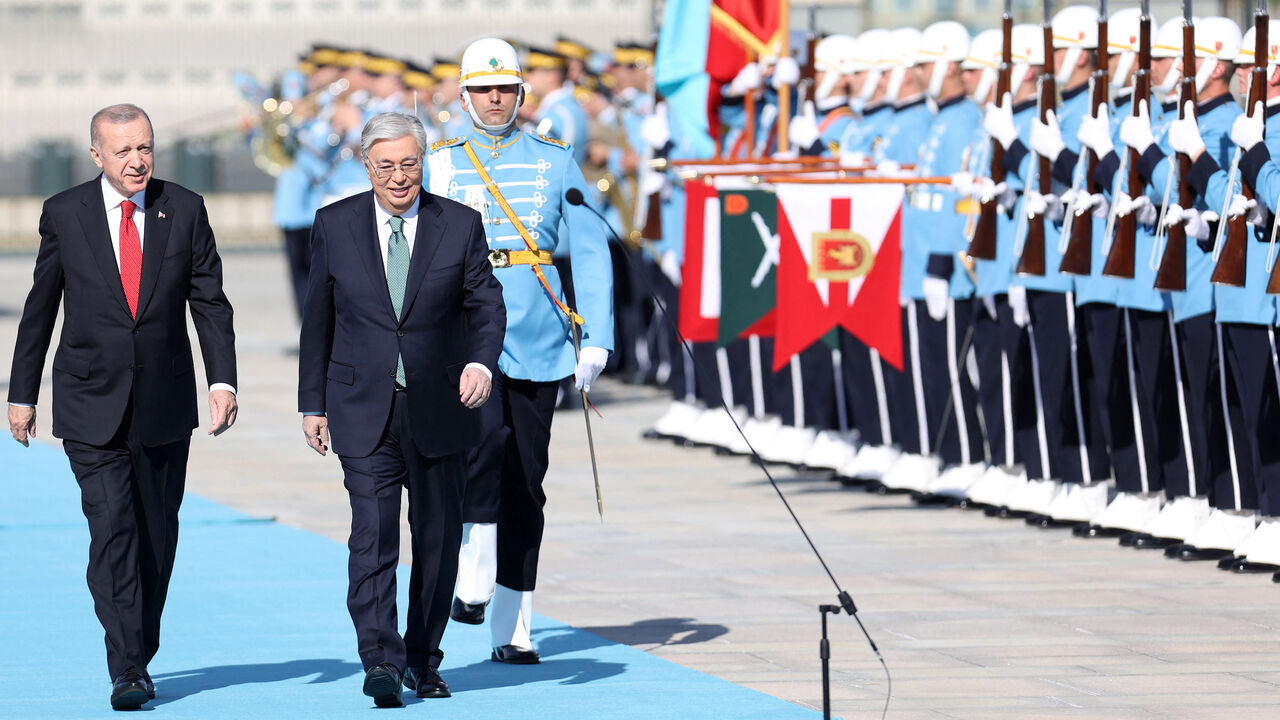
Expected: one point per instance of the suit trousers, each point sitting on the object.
(130, 494)
(374, 484)
(521, 461)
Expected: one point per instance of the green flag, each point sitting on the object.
(748, 263)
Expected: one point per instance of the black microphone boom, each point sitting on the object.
(574, 196)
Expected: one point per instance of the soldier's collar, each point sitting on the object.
(1068, 94)
(952, 101)
(878, 107)
(1211, 105)
(482, 139)
(911, 103)
(1025, 105)
(1273, 108)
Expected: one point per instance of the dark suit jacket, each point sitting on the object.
(105, 356)
(453, 314)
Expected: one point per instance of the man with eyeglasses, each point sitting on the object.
(520, 183)
(401, 332)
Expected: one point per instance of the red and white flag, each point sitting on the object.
(699, 313)
(839, 265)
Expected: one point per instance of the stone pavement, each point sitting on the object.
(698, 562)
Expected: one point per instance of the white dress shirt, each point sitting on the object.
(111, 198)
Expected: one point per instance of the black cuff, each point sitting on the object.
(665, 150)
(817, 148)
(1147, 165)
(1105, 173)
(1065, 166)
(1013, 157)
(940, 265)
(1206, 245)
(1201, 170)
(1251, 164)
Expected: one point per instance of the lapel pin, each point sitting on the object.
(161, 213)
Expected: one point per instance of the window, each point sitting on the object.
(70, 79)
(111, 78)
(155, 77)
(28, 79)
(198, 77)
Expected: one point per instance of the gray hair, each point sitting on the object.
(391, 126)
(117, 115)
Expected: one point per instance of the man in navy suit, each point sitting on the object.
(129, 254)
(401, 332)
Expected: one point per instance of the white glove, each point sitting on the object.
(1100, 207)
(803, 130)
(853, 160)
(591, 362)
(989, 302)
(747, 79)
(1197, 225)
(1004, 195)
(786, 72)
(1047, 206)
(1247, 131)
(1046, 138)
(1135, 131)
(962, 183)
(998, 122)
(671, 267)
(1253, 212)
(655, 129)
(1018, 304)
(1184, 135)
(1172, 216)
(1095, 132)
(888, 168)
(936, 294)
(1146, 212)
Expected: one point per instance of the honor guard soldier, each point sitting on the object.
(559, 116)
(576, 55)
(875, 112)
(825, 118)
(447, 99)
(519, 181)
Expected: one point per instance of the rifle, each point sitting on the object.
(1077, 259)
(1124, 245)
(1172, 273)
(1230, 270)
(1031, 261)
(808, 85)
(982, 246)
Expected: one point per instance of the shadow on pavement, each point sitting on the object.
(183, 683)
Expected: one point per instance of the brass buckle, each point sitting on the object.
(499, 259)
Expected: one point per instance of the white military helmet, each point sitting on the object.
(1028, 51)
(985, 54)
(1123, 37)
(868, 50)
(1168, 44)
(833, 55)
(898, 55)
(1076, 29)
(941, 43)
(1250, 43)
(1217, 40)
(490, 61)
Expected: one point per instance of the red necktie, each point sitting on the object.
(130, 256)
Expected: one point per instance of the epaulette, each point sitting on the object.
(446, 143)
(550, 141)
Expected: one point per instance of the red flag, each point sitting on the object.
(699, 316)
(839, 264)
(739, 29)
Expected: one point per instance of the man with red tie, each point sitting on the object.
(129, 254)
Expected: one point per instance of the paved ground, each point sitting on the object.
(698, 562)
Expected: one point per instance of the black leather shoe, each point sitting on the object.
(382, 683)
(129, 690)
(1191, 553)
(467, 613)
(427, 681)
(1226, 562)
(513, 655)
(1247, 567)
(1151, 542)
(1276, 578)
(1097, 531)
(1128, 539)
(151, 687)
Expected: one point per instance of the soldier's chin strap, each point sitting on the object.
(498, 130)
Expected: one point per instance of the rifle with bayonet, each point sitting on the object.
(1230, 270)
(1172, 273)
(1077, 258)
(982, 246)
(1124, 244)
(1032, 260)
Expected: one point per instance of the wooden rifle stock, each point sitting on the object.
(1232, 266)
(1120, 259)
(1077, 259)
(1172, 273)
(652, 230)
(983, 244)
(1032, 261)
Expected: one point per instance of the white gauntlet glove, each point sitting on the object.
(591, 362)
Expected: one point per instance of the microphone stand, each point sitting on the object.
(574, 196)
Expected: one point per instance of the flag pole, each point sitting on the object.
(784, 92)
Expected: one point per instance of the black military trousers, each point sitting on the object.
(1109, 407)
(374, 484)
(1252, 367)
(945, 380)
(864, 390)
(297, 250)
(130, 494)
(1203, 389)
(1154, 390)
(906, 397)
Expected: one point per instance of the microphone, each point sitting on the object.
(573, 196)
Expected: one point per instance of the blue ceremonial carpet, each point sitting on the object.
(256, 627)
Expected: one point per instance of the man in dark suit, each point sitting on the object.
(401, 333)
(129, 254)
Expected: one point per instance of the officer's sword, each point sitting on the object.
(586, 414)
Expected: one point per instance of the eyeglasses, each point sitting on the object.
(382, 171)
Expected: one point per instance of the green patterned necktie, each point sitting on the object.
(397, 277)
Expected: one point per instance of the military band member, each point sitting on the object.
(518, 181)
